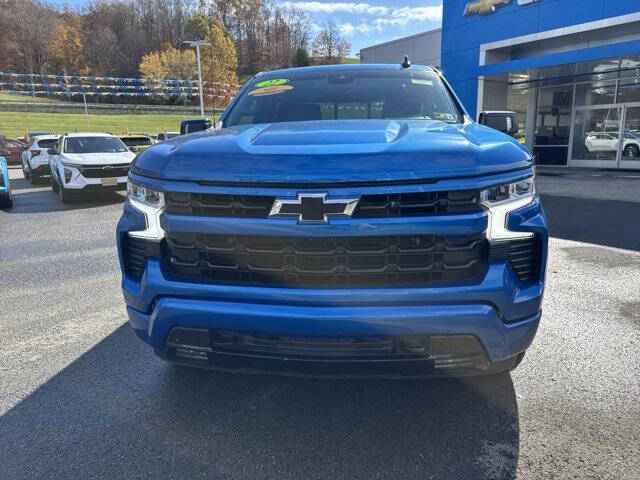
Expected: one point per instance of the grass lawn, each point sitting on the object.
(9, 98)
(15, 124)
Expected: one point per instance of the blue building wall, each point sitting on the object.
(462, 36)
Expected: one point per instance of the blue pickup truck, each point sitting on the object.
(337, 221)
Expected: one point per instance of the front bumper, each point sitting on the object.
(500, 312)
(498, 342)
(41, 169)
(78, 182)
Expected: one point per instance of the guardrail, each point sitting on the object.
(104, 108)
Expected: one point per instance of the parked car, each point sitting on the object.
(11, 150)
(137, 142)
(161, 137)
(608, 142)
(30, 135)
(344, 220)
(6, 200)
(88, 162)
(35, 159)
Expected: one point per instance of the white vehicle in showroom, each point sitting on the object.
(88, 162)
(35, 159)
(608, 142)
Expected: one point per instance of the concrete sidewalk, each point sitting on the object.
(592, 206)
(590, 183)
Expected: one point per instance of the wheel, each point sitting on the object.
(65, 195)
(6, 202)
(631, 151)
(34, 178)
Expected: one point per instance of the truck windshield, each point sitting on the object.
(345, 95)
(94, 145)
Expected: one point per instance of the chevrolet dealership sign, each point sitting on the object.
(489, 6)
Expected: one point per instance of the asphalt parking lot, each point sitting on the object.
(82, 397)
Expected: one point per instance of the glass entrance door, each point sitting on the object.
(630, 148)
(596, 137)
(606, 137)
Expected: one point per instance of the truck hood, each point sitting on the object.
(334, 152)
(97, 158)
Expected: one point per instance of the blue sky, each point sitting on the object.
(362, 23)
(368, 23)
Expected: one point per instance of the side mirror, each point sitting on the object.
(52, 151)
(133, 149)
(505, 122)
(191, 126)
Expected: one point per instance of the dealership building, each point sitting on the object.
(569, 68)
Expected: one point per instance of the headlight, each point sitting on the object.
(151, 203)
(503, 199)
(509, 193)
(144, 195)
(68, 169)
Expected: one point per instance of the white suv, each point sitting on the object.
(608, 142)
(85, 162)
(35, 159)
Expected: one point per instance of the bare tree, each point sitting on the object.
(329, 46)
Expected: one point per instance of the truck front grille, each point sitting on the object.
(417, 260)
(391, 205)
(104, 171)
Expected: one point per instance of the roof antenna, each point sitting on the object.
(405, 63)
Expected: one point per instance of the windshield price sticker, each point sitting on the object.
(271, 83)
(258, 92)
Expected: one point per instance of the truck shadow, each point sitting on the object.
(118, 412)
(40, 198)
(611, 223)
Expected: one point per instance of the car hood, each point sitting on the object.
(97, 158)
(334, 152)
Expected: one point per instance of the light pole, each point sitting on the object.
(197, 44)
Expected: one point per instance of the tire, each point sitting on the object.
(34, 179)
(6, 202)
(631, 151)
(65, 195)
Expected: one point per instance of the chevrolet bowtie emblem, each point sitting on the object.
(313, 207)
(483, 6)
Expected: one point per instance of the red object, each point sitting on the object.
(11, 151)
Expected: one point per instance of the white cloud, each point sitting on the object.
(419, 14)
(363, 28)
(347, 29)
(392, 15)
(337, 7)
